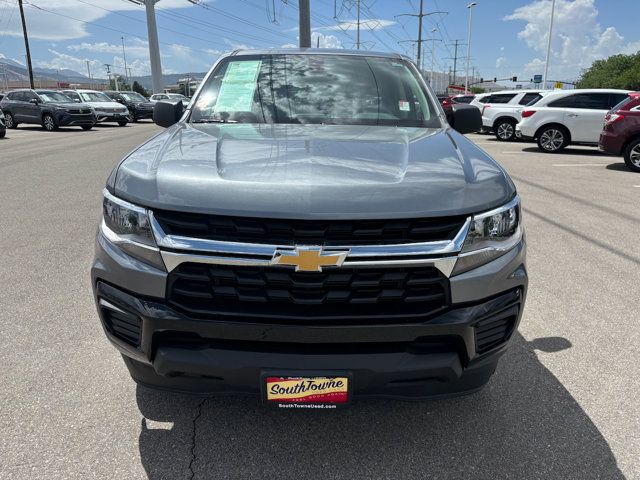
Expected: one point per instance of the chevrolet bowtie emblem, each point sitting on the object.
(309, 259)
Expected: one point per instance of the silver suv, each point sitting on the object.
(311, 230)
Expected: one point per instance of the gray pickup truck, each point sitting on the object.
(311, 230)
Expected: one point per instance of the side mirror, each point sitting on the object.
(465, 118)
(166, 114)
(34, 101)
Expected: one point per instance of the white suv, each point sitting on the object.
(501, 110)
(568, 116)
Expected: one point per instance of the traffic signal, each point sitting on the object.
(514, 79)
(481, 80)
(495, 79)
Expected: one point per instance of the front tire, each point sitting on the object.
(49, 123)
(2, 133)
(553, 139)
(135, 119)
(9, 121)
(505, 130)
(122, 123)
(86, 127)
(632, 156)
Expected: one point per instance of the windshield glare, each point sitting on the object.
(315, 89)
(95, 97)
(54, 97)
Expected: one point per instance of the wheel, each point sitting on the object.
(552, 139)
(87, 127)
(505, 130)
(48, 123)
(135, 119)
(123, 123)
(632, 155)
(2, 133)
(9, 121)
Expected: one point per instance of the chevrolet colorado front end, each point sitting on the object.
(311, 230)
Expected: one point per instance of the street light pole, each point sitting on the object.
(546, 63)
(124, 57)
(433, 50)
(466, 81)
(154, 46)
(304, 23)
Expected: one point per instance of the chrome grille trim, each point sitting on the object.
(440, 254)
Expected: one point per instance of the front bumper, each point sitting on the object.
(102, 117)
(141, 114)
(165, 348)
(65, 119)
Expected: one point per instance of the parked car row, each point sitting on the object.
(83, 108)
(608, 118)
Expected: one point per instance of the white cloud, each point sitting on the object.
(578, 38)
(326, 41)
(372, 24)
(63, 20)
(501, 62)
(62, 61)
(139, 48)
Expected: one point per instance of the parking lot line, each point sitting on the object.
(579, 165)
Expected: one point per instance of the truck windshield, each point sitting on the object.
(314, 89)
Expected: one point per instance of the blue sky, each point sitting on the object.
(508, 37)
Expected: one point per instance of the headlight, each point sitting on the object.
(491, 234)
(127, 226)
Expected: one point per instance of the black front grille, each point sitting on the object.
(309, 232)
(335, 294)
(127, 328)
(495, 329)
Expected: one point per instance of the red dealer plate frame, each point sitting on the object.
(306, 390)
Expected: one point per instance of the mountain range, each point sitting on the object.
(11, 71)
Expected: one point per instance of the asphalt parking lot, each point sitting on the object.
(562, 405)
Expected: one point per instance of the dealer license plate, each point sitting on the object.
(312, 392)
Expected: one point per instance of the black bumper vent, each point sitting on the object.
(308, 232)
(339, 294)
(125, 327)
(495, 330)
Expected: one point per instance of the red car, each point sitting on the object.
(621, 132)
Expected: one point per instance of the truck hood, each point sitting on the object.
(312, 171)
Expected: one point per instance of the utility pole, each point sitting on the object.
(419, 41)
(26, 44)
(466, 81)
(124, 57)
(546, 63)
(304, 19)
(419, 54)
(358, 28)
(456, 44)
(89, 72)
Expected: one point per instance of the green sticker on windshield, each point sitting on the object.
(238, 86)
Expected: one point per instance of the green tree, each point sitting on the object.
(617, 71)
(136, 87)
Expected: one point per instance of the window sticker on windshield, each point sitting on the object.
(403, 105)
(238, 86)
